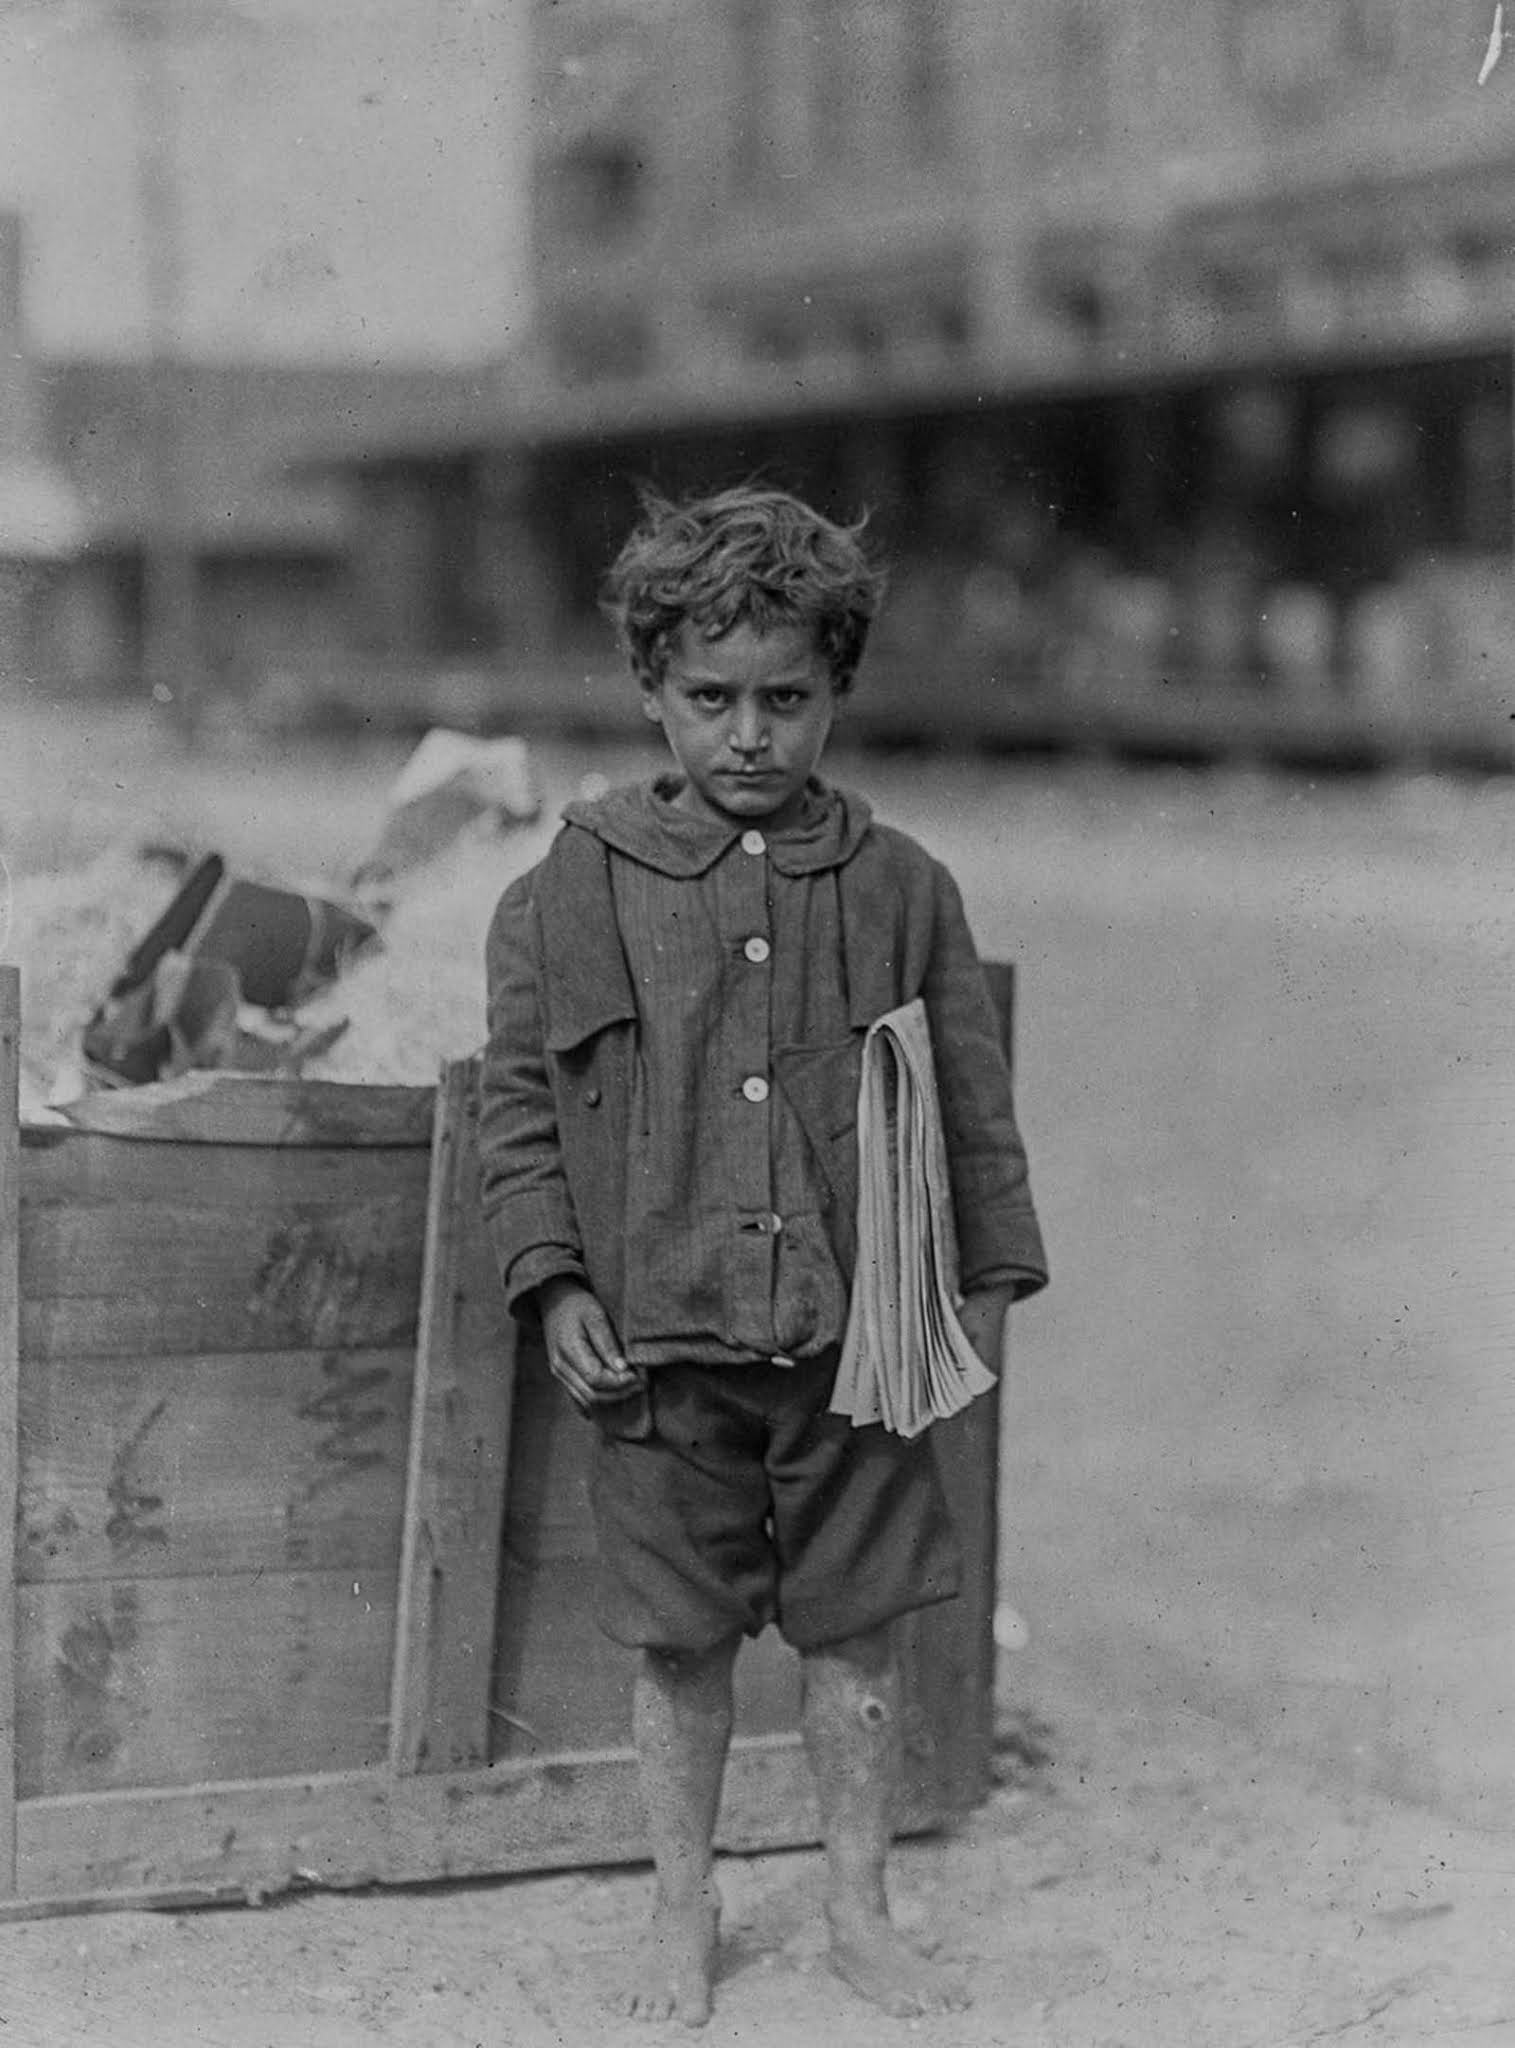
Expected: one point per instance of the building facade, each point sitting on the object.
(249, 225)
(1191, 318)
(42, 520)
(733, 198)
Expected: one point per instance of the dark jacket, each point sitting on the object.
(563, 1030)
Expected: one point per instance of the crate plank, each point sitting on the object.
(766, 1686)
(947, 1652)
(130, 1279)
(560, 1683)
(370, 1827)
(459, 1459)
(100, 1328)
(10, 1361)
(250, 1109)
(170, 1467)
(547, 1514)
(79, 1167)
(191, 1681)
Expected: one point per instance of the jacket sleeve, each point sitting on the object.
(524, 1192)
(999, 1239)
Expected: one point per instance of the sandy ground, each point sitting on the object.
(1257, 1466)
(1161, 1885)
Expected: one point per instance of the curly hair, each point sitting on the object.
(745, 556)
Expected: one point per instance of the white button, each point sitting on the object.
(754, 842)
(780, 1358)
(757, 950)
(755, 1088)
(776, 1224)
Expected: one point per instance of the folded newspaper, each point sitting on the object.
(906, 1359)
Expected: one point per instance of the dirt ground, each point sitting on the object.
(1162, 1883)
(1255, 1764)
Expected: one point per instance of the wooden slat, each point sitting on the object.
(560, 1683)
(949, 1650)
(370, 1827)
(194, 1681)
(562, 1686)
(248, 1109)
(128, 1279)
(10, 1362)
(459, 1458)
(167, 1467)
(81, 1167)
(547, 1514)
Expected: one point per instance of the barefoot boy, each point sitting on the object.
(678, 999)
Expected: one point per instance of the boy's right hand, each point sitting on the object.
(583, 1351)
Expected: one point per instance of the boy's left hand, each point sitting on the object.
(982, 1316)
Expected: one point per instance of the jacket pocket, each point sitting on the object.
(820, 1084)
(592, 1096)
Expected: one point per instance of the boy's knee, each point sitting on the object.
(855, 1681)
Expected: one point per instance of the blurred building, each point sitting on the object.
(762, 206)
(290, 567)
(1163, 342)
(249, 224)
(1031, 190)
(42, 527)
(1168, 347)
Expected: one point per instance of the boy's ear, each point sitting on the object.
(652, 700)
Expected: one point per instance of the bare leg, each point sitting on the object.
(852, 1734)
(682, 1722)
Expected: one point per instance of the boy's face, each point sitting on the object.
(747, 717)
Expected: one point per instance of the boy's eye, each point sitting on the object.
(709, 698)
(786, 699)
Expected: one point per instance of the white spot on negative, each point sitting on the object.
(1010, 1629)
(1492, 54)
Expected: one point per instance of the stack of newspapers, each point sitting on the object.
(906, 1359)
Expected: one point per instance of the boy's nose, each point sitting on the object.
(750, 732)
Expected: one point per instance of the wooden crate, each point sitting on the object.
(296, 1527)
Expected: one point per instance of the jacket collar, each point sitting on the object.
(587, 981)
(646, 824)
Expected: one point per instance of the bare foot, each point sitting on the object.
(678, 1964)
(892, 1970)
